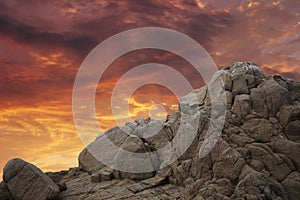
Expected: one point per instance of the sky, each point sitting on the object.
(43, 44)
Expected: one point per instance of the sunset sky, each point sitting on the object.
(43, 44)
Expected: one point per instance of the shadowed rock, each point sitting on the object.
(26, 181)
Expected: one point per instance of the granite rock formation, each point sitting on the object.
(256, 156)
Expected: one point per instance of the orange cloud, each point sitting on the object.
(53, 59)
(39, 135)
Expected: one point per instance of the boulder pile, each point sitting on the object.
(255, 156)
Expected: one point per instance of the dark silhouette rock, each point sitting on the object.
(4, 193)
(26, 181)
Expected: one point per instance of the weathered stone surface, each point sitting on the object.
(4, 193)
(257, 97)
(88, 162)
(237, 137)
(153, 188)
(56, 177)
(241, 105)
(239, 85)
(148, 183)
(245, 76)
(228, 162)
(261, 130)
(289, 148)
(272, 162)
(292, 185)
(89, 159)
(214, 189)
(256, 185)
(292, 130)
(292, 86)
(227, 79)
(288, 113)
(189, 103)
(269, 97)
(289, 117)
(26, 181)
(201, 94)
(276, 96)
(149, 162)
(229, 100)
(105, 174)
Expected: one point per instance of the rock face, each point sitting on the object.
(25, 181)
(4, 193)
(255, 156)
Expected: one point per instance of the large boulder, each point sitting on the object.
(289, 117)
(90, 158)
(228, 162)
(126, 159)
(26, 181)
(292, 185)
(241, 105)
(244, 76)
(269, 97)
(261, 130)
(130, 141)
(289, 148)
(261, 157)
(256, 185)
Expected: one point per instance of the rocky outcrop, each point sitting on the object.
(243, 134)
(25, 181)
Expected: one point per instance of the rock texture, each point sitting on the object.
(257, 155)
(25, 181)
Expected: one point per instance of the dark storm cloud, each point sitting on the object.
(203, 27)
(30, 35)
(133, 14)
(93, 22)
(156, 8)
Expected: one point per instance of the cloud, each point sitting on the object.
(265, 33)
(26, 34)
(32, 133)
(282, 70)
